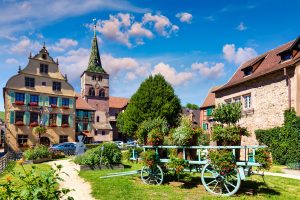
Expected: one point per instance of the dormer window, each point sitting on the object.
(286, 56)
(43, 68)
(248, 71)
(44, 56)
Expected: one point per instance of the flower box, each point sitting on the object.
(53, 106)
(53, 125)
(34, 124)
(19, 102)
(33, 103)
(65, 125)
(19, 123)
(25, 145)
(65, 107)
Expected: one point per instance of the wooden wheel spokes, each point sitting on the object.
(215, 183)
(153, 175)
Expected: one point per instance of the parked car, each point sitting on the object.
(97, 142)
(132, 143)
(66, 147)
(119, 143)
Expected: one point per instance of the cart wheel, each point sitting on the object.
(215, 183)
(152, 175)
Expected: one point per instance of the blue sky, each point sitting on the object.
(194, 44)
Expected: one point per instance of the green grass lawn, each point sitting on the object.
(2, 115)
(131, 187)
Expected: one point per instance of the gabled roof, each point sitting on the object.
(270, 62)
(81, 104)
(118, 102)
(210, 98)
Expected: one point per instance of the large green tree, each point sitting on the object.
(155, 98)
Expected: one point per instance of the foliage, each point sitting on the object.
(192, 106)
(2, 115)
(222, 159)
(39, 130)
(149, 158)
(155, 98)
(284, 141)
(178, 165)
(126, 155)
(110, 155)
(228, 113)
(185, 134)
(155, 137)
(38, 152)
(295, 166)
(34, 185)
(204, 139)
(263, 156)
(158, 124)
(228, 135)
(91, 146)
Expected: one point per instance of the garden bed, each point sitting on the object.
(39, 161)
(101, 167)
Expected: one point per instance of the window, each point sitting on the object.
(101, 93)
(85, 117)
(227, 101)
(65, 102)
(205, 126)
(19, 116)
(44, 68)
(96, 132)
(56, 86)
(237, 99)
(34, 98)
(286, 56)
(98, 118)
(76, 128)
(92, 114)
(63, 138)
(85, 126)
(65, 119)
(44, 83)
(93, 77)
(22, 139)
(53, 100)
(247, 101)
(248, 71)
(91, 92)
(209, 111)
(20, 97)
(29, 82)
(99, 78)
(52, 119)
(34, 117)
(103, 132)
(44, 56)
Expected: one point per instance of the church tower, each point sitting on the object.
(95, 88)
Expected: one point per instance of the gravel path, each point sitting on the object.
(82, 189)
(283, 175)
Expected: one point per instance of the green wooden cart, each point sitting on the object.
(214, 181)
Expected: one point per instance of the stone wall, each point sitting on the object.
(269, 100)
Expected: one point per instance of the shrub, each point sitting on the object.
(149, 158)
(155, 137)
(185, 134)
(263, 156)
(229, 135)
(91, 146)
(284, 141)
(228, 113)
(38, 152)
(110, 155)
(34, 185)
(178, 165)
(222, 160)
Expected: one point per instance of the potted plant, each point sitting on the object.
(222, 160)
(177, 165)
(33, 103)
(53, 105)
(19, 123)
(65, 107)
(149, 158)
(65, 125)
(19, 102)
(263, 156)
(40, 130)
(33, 124)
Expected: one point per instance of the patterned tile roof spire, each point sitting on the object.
(94, 64)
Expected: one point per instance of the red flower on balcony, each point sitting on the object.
(65, 125)
(19, 102)
(19, 123)
(53, 125)
(65, 107)
(53, 106)
(34, 124)
(33, 103)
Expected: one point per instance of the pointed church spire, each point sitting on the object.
(94, 64)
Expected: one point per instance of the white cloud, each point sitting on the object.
(11, 61)
(213, 70)
(138, 30)
(162, 24)
(238, 56)
(32, 14)
(115, 65)
(171, 75)
(25, 45)
(63, 44)
(241, 27)
(185, 17)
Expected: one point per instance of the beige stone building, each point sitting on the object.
(39, 94)
(266, 86)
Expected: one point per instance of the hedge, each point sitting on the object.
(284, 142)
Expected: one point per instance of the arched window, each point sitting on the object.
(99, 78)
(98, 118)
(101, 93)
(91, 92)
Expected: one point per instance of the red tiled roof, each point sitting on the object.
(271, 62)
(210, 98)
(118, 102)
(81, 104)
